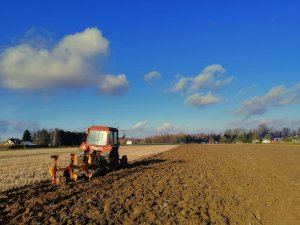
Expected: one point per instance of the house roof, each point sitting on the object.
(15, 140)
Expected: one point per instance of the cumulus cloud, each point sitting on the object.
(26, 67)
(180, 85)
(291, 95)
(276, 123)
(141, 129)
(138, 130)
(166, 128)
(113, 84)
(201, 100)
(220, 83)
(202, 80)
(214, 68)
(151, 76)
(70, 62)
(139, 126)
(15, 128)
(276, 96)
(210, 79)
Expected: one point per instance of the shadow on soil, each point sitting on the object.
(141, 167)
(146, 162)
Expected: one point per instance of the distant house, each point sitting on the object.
(13, 141)
(296, 138)
(254, 141)
(129, 142)
(278, 140)
(266, 140)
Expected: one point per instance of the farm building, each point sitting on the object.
(13, 141)
(255, 141)
(129, 142)
(296, 138)
(266, 140)
(277, 140)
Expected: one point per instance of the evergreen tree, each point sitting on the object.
(267, 136)
(241, 138)
(26, 136)
(249, 136)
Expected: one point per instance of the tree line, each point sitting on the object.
(54, 137)
(59, 137)
(236, 135)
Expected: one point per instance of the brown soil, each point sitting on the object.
(191, 184)
(27, 166)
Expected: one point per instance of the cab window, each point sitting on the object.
(113, 137)
(96, 137)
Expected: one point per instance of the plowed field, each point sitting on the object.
(191, 184)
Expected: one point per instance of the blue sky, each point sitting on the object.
(149, 66)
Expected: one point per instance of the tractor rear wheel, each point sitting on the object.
(114, 159)
(124, 161)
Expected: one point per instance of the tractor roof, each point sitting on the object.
(102, 128)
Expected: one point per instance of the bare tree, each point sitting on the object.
(262, 129)
(286, 132)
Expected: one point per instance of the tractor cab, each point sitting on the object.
(101, 138)
(103, 141)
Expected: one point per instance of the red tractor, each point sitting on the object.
(100, 152)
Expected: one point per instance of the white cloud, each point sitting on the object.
(139, 126)
(276, 123)
(138, 130)
(210, 79)
(166, 128)
(214, 68)
(84, 44)
(254, 106)
(220, 83)
(180, 85)
(141, 129)
(276, 96)
(151, 76)
(15, 128)
(201, 100)
(27, 67)
(202, 80)
(73, 61)
(113, 84)
(291, 95)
